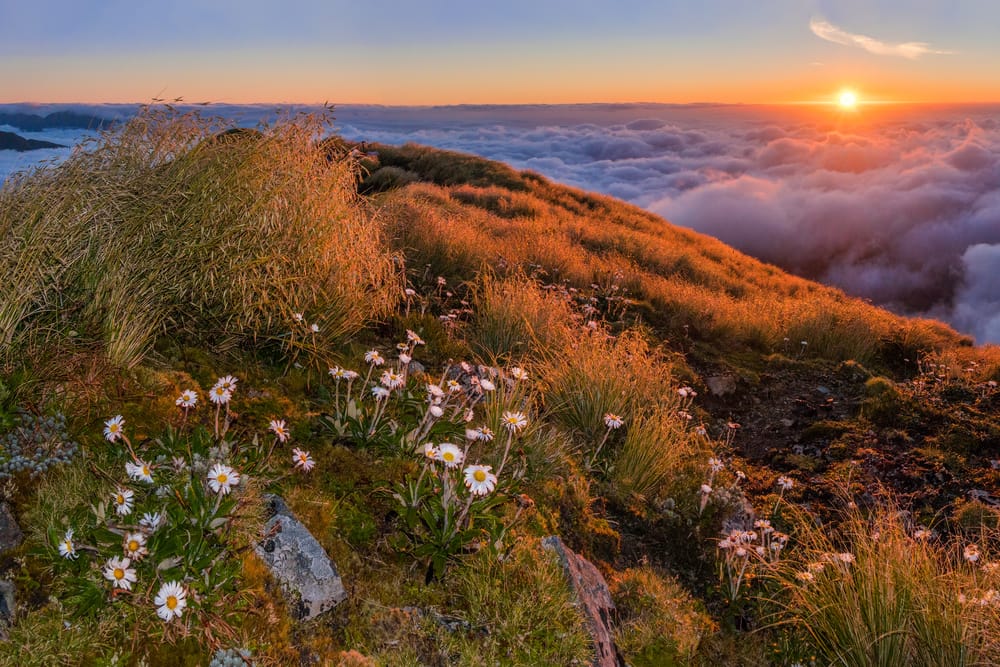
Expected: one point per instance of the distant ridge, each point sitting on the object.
(15, 142)
(29, 122)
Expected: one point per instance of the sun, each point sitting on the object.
(848, 100)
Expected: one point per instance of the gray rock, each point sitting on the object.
(720, 385)
(594, 597)
(10, 532)
(308, 577)
(8, 606)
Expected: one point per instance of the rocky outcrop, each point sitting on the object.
(307, 576)
(10, 533)
(594, 599)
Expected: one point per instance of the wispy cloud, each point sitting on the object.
(831, 33)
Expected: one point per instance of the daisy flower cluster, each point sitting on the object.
(745, 551)
(158, 539)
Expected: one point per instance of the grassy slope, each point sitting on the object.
(858, 407)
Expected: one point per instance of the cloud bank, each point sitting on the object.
(831, 33)
(903, 210)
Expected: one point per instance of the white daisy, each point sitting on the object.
(374, 358)
(350, 376)
(118, 572)
(222, 478)
(187, 399)
(485, 434)
(114, 428)
(219, 395)
(435, 391)
(393, 380)
(450, 454)
(487, 385)
(480, 480)
(785, 483)
(227, 382)
(67, 549)
(514, 421)
(122, 500)
(430, 451)
(337, 373)
(151, 521)
(436, 411)
(414, 338)
(971, 553)
(715, 465)
(135, 545)
(279, 429)
(139, 471)
(302, 460)
(298, 317)
(454, 386)
(613, 421)
(380, 393)
(519, 373)
(314, 327)
(170, 600)
(404, 359)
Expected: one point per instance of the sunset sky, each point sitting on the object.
(514, 51)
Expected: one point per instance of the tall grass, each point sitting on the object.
(168, 225)
(901, 601)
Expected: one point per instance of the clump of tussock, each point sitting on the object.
(170, 225)
(881, 591)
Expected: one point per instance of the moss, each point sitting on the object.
(883, 403)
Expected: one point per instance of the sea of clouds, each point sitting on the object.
(897, 205)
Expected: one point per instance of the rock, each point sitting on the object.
(10, 532)
(720, 385)
(8, 606)
(416, 367)
(788, 423)
(307, 576)
(594, 598)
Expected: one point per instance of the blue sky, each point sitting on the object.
(445, 51)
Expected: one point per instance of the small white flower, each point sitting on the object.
(135, 545)
(971, 553)
(518, 373)
(219, 395)
(393, 380)
(279, 429)
(480, 480)
(170, 600)
(67, 549)
(845, 557)
(921, 534)
(298, 317)
(450, 455)
(139, 471)
(487, 385)
(122, 500)
(337, 373)
(374, 358)
(114, 428)
(409, 291)
(485, 434)
(187, 399)
(222, 478)
(302, 460)
(314, 327)
(706, 489)
(380, 393)
(785, 483)
(350, 376)
(613, 421)
(405, 359)
(715, 465)
(454, 386)
(430, 451)
(435, 410)
(687, 392)
(151, 521)
(469, 415)
(514, 421)
(435, 391)
(118, 572)
(414, 338)
(228, 383)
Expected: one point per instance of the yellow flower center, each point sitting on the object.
(145, 471)
(119, 573)
(120, 499)
(448, 456)
(479, 476)
(69, 545)
(171, 602)
(222, 478)
(133, 545)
